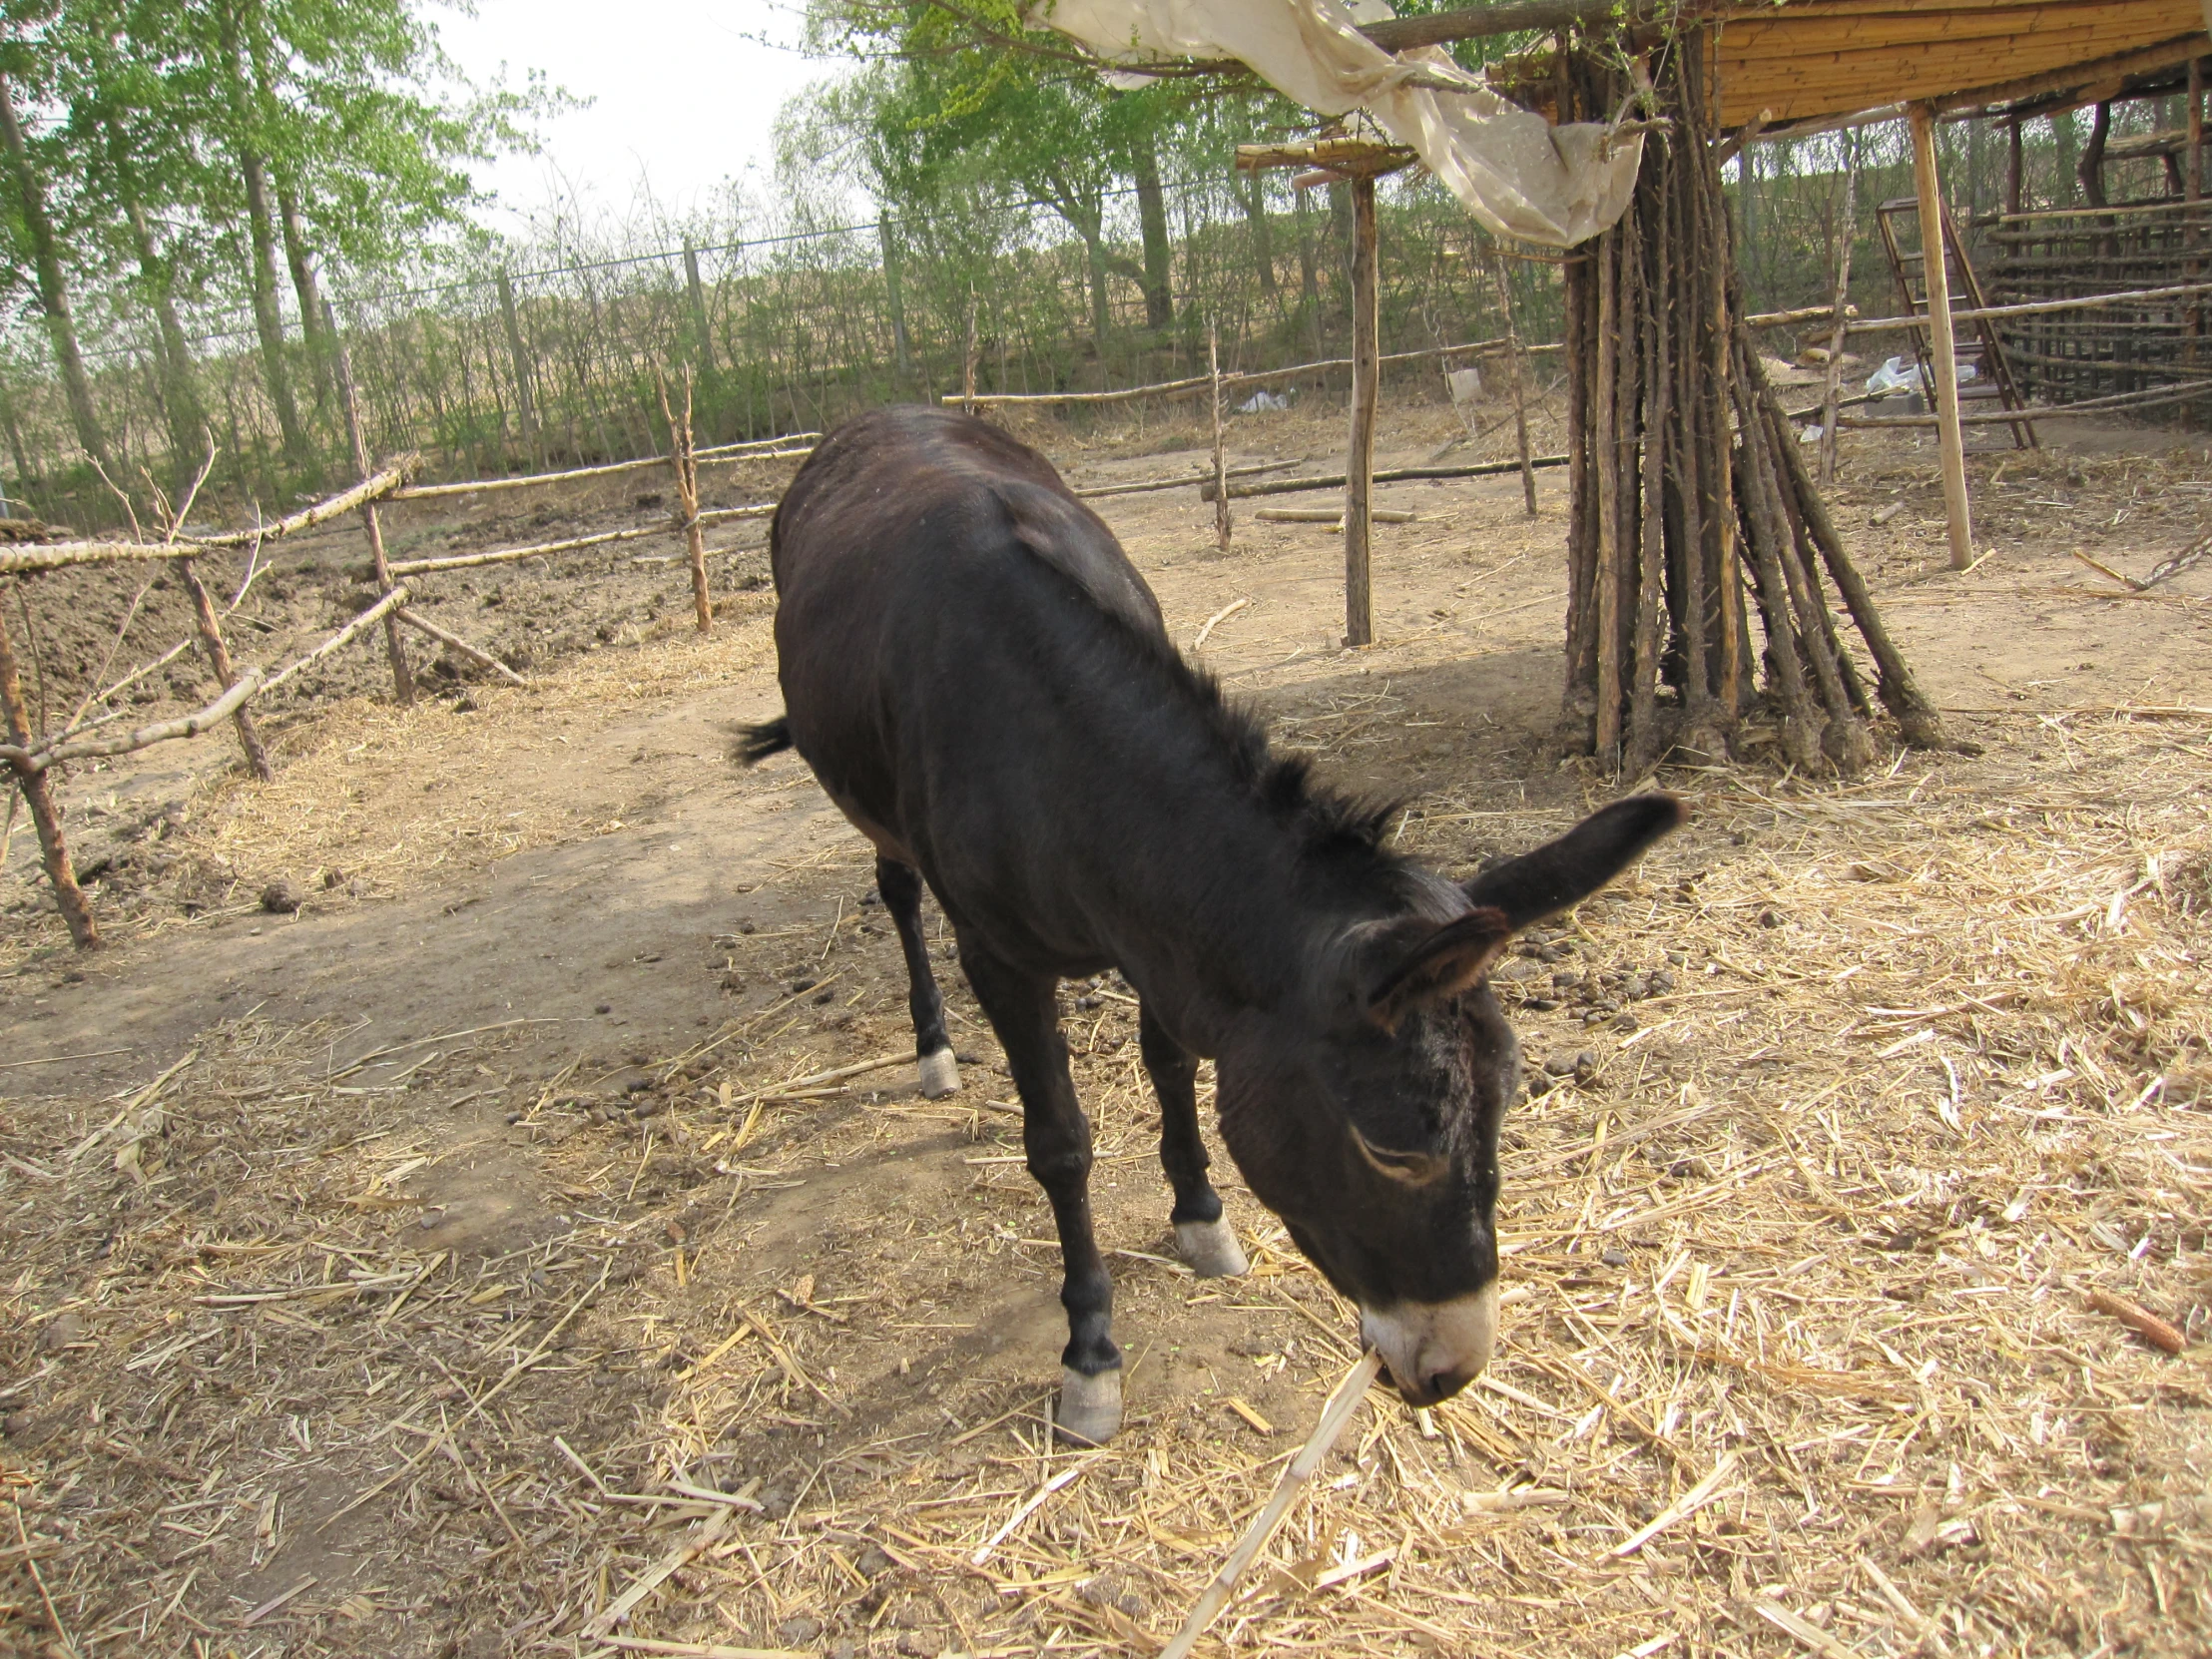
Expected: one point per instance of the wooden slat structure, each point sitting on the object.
(1810, 61)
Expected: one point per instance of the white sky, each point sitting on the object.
(683, 93)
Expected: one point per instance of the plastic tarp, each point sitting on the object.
(1516, 172)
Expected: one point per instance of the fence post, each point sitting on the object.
(402, 677)
(525, 406)
(48, 819)
(219, 659)
(681, 460)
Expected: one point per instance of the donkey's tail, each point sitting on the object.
(757, 742)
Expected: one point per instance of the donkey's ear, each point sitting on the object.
(1565, 872)
(1442, 963)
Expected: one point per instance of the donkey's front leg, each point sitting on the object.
(1202, 1236)
(1057, 1138)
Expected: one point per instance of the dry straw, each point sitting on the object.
(1806, 1355)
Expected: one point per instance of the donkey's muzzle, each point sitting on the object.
(1434, 1348)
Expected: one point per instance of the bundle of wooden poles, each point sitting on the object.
(1694, 512)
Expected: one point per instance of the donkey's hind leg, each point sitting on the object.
(1202, 1236)
(900, 885)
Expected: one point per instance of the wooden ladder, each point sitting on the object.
(1976, 341)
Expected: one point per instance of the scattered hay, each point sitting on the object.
(1865, 1090)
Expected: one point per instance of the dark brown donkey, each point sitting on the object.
(983, 683)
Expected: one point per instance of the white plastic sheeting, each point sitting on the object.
(1518, 173)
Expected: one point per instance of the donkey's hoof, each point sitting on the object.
(1211, 1248)
(1089, 1412)
(940, 1074)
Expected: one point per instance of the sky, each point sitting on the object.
(683, 93)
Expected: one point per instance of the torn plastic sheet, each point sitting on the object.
(1518, 174)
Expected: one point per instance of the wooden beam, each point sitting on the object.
(1935, 275)
(1405, 34)
(1366, 374)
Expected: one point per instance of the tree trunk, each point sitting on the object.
(1152, 216)
(269, 321)
(1254, 206)
(187, 421)
(2092, 156)
(1309, 284)
(309, 290)
(53, 289)
(895, 293)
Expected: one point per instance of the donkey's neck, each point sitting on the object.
(1227, 906)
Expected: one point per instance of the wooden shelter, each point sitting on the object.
(1809, 63)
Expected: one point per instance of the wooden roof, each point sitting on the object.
(1813, 60)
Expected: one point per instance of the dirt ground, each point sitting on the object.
(518, 1234)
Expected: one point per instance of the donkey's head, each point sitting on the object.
(1368, 1120)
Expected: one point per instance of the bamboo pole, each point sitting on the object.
(687, 498)
(1936, 277)
(1222, 520)
(61, 874)
(1519, 381)
(1359, 458)
(219, 659)
(395, 652)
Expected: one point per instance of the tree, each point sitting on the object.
(28, 173)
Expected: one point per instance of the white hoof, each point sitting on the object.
(940, 1074)
(1211, 1248)
(1089, 1412)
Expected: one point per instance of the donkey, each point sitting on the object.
(984, 685)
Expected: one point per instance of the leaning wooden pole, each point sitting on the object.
(1366, 370)
(1936, 277)
(395, 651)
(225, 674)
(36, 795)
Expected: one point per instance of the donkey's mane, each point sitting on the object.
(1327, 821)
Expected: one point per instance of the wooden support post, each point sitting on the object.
(44, 815)
(1518, 372)
(1366, 370)
(219, 659)
(1222, 520)
(685, 469)
(1846, 233)
(402, 677)
(2014, 166)
(1936, 277)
